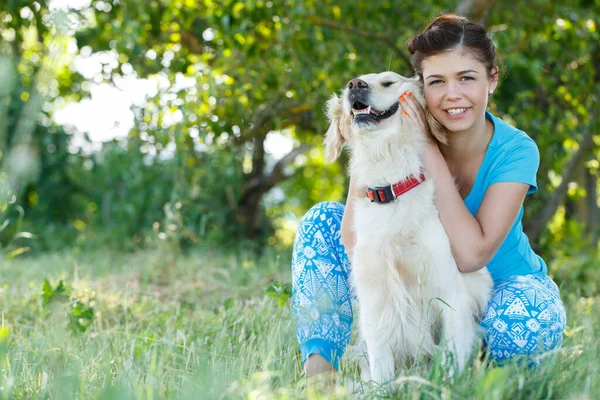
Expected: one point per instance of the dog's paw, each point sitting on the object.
(358, 354)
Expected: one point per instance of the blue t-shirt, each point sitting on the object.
(512, 156)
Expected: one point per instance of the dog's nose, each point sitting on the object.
(357, 84)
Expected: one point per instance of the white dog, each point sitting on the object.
(411, 295)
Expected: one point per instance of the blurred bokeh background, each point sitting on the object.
(126, 124)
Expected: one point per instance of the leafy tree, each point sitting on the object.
(233, 73)
(33, 151)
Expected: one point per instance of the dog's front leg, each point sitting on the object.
(369, 275)
(380, 353)
(459, 335)
(382, 367)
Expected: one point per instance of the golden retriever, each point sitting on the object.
(412, 297)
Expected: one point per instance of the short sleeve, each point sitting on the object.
(519, 163)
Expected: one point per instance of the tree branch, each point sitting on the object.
(258, 157)
(266, 183)
(382, 37)
(255, 189)
(266, 112)
(276, 176)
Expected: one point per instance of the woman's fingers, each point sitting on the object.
(403, 104)
(411, 108)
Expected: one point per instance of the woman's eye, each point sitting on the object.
(435, 82)
(467, 78)
(387, 84)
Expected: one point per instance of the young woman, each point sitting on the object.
(481, 178)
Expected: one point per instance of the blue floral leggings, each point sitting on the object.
(525, 315)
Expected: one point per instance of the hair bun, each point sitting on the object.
(449, 31)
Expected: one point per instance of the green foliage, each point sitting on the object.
(573, 259)
(50, 295)
(233, 74)
(81, 316)
(4, 336)
(578, 273)
(13, 240)
(547, 93)
(281, 292)
(80, 312)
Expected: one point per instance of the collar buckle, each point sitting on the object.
(387, 194)
(381, 194)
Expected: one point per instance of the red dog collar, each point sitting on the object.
(387, 194)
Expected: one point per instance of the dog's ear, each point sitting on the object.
(338, 131)
(437, 130)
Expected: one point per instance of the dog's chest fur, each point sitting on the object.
(405, 232)
(400, 222)
(406, 235)
(395, 229)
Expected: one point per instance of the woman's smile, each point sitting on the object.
(457, 112)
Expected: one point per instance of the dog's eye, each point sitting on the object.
(387, 84)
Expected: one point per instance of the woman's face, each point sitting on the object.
(456, 87)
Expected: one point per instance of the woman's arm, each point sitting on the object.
(474, 240)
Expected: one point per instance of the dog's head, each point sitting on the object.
(369, 106)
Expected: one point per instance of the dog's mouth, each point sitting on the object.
(366, 113)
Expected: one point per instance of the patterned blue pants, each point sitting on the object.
(525, 315)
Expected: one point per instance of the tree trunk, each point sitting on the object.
(591, 183)
(250, 214)
(535, 228)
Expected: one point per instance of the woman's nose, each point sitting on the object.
(453, 91)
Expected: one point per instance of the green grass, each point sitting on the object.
(154, 325)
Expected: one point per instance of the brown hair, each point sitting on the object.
(449, 31)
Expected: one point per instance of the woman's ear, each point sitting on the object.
(494, 77)
(338, 131)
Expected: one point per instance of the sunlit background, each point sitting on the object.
(192, 120)
(106, 114)
(156, 157)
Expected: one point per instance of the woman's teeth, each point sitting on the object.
(456, 111)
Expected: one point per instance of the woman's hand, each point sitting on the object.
(412, 111)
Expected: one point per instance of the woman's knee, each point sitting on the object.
(322, 211)
(318, 234)
(323, 221)
(524, 317)
(502, 344)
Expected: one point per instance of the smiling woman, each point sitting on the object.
(495, 165)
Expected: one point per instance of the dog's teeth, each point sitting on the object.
(363, 111)
(369, 110)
